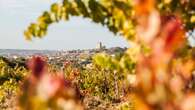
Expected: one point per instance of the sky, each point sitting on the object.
(78, 33)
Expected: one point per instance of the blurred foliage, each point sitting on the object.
(120, 63)
(159, 53)
(12, 72)
(8, 91)
(115, 15)
(164, 75)
(12, 69)
(183, 8)
(44, 90)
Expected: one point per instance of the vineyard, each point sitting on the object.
(96, 86)
(157, 71)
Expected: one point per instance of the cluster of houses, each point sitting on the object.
(81, 57)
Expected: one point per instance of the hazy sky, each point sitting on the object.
(78, 33)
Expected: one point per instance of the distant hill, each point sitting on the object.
(5, 52)
(24, 53)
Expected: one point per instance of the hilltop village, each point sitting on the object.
(78, 57)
